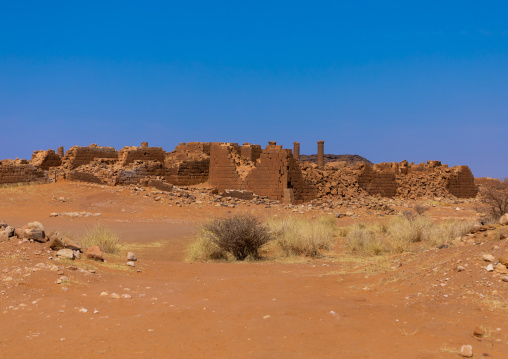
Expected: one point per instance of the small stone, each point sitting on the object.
(479, 332)
(504, 279)
(488, 258)
(53, 214)
(131, 264)
(104, 294)
(490, 268)
(504, 219)
(466, 351)
(115, 296)
(131, 257)
(460, 269)
(83, 310)
(126, 296)
(65, 253)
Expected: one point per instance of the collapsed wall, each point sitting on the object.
(392, 179)
(45, 159)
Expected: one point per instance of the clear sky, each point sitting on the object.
(388, 80)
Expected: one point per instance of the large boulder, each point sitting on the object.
(504, 219)
(32, 230)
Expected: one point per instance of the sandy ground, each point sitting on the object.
(409, 306)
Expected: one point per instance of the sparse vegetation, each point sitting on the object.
(240, 236)
(103, 237)
(494, 194)
(302, 237)
(407, 233)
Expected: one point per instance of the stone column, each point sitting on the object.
(144, 144)
(60, 151)
(321, 154)
(296, 150)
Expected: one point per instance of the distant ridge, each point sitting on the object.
(350, 159)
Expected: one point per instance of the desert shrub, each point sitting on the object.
(494, 194)
(242, 236)
(420, 208)
(303, 237)
(103, 237)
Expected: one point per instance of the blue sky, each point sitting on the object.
(388, 80)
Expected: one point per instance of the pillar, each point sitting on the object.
(321, 154)
(60, 151)
(144, 144)
(296, 150)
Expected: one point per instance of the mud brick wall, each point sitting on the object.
(191, 148)
(189, 173)
(78, 156)
(129, 155)
(250, 152)
(45, 159)
(276, 171)
(141, 173)
(378, 182)
(12, 172)
(223, 173)
(461, 183)
(79, 176)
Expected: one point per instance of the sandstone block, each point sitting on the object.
(65, 253)
(94, 253)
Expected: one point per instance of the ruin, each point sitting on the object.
(244, 171)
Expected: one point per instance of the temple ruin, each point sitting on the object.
(273, 171)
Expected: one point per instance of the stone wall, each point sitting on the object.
(78, 156)
(131, 154)
(20, 171)
(45, 159)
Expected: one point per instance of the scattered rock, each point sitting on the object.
(132, 264)
(460, 269)
(131, 257)
(466, 351)
(65, 253)
(126, 296)
(479, 332)
(490, 268)
(501, 269)
(504, 219)
(488, 258)
(56, 243)
(503, 259)
(115, 296)
(94, 253)
(69, 243)
(504, 279)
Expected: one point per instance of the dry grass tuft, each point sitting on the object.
(302, 237)
(407, 233)
(103, 237)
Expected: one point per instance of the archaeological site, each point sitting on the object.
(244, 170)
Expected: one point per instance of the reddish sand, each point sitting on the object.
(334, 307)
